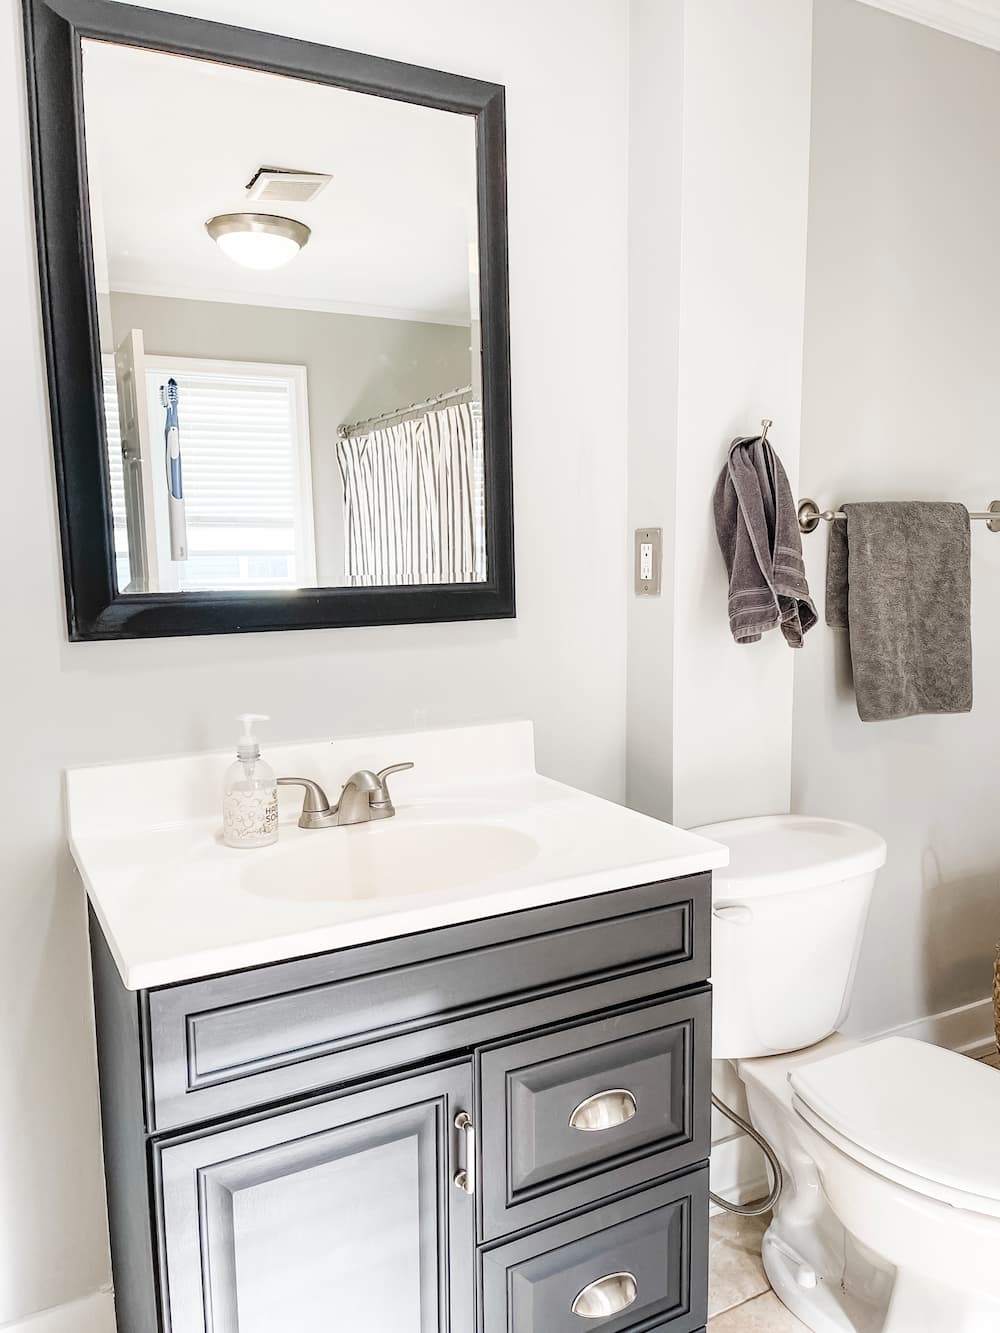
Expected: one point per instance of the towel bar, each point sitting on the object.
(810, 514)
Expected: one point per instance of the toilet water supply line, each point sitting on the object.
(758, 1206)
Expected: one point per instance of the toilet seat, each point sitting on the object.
(924, 1117)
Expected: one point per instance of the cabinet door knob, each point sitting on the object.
(465, 1179)
(607, 1296)
(604, 1110)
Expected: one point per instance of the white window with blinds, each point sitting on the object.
(245, 461)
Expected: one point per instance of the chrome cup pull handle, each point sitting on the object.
(607, 1296)
(605, 1110)
(465, 1179)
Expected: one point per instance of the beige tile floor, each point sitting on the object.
(739, 1298)
(764, 1314)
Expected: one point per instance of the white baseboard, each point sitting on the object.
(968, 1029)
(94, 1314)
(737, 1166)
(736, 1171)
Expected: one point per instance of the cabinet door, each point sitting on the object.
(328, 1218)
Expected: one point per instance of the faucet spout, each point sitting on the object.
(354, 806)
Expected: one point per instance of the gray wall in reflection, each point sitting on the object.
(357, 366)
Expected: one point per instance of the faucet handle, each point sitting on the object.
(381, 802)
(315, 803)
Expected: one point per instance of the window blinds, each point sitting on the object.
(240, 461)
(238, 450)
(116, 468)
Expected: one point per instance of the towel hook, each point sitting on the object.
(765, 425)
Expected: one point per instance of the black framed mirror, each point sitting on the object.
(274, 292)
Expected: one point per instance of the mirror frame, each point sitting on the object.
(53, 33)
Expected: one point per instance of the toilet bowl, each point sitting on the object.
(889, 1221)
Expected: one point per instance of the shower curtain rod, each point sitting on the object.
(346, 430)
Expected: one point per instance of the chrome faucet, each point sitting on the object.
(365, 796)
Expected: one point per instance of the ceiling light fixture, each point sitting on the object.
(257, 240)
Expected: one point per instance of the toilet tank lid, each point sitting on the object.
(781, 853)
(915, 1108)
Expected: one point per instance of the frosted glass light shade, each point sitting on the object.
(257, 240)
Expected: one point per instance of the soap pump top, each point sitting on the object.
(248, 746)
(250, 798)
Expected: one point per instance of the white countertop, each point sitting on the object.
(477, 833)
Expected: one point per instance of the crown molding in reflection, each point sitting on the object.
(974, 20)
(315, 304)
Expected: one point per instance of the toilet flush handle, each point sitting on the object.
(735, 912)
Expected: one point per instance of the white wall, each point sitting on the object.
(656, 107)
(356, 366)
(720, 93)
(561, 662)
(902, 401)
(742, 290)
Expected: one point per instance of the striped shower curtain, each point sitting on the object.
(414, 502)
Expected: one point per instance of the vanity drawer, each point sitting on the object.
(239, 1040)
(647, 1254)
(572, 1116)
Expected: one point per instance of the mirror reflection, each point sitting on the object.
(287, 280)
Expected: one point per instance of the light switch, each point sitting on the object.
(648, 561)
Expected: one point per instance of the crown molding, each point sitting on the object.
(316, 304)
(974, 20)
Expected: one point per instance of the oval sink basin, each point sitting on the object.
(387, 860)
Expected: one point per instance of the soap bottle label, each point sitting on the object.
(250, 816)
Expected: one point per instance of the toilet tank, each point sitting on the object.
(788, 914)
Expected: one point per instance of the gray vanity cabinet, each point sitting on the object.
(337, 1215)
(495, 1127)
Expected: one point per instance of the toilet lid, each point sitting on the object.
(781, 853)
(914, 1113)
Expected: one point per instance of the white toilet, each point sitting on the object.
(890, 1217)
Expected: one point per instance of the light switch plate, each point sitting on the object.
(648, 561)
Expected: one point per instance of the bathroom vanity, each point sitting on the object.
(494, 1118)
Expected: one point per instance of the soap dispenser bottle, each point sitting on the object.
(250, 796)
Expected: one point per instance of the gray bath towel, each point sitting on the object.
(758, 531)
(898, 579)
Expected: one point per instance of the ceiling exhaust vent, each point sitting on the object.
(286, 186)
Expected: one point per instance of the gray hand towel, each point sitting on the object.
(898, 579)
(758, 531)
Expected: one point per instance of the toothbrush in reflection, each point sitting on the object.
(176, 517)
